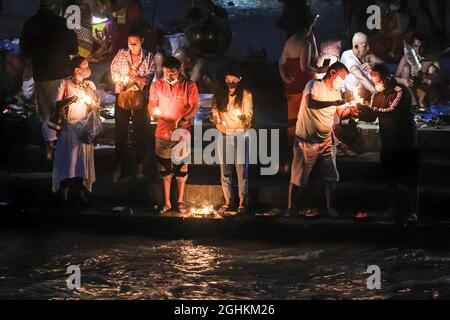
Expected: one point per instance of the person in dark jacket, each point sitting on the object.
(392, 104)
(48, 43)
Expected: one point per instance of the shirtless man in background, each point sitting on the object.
(424, 92)
(359, 61)
(297, 66)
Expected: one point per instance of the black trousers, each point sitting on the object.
(141, 137)
(400, 171)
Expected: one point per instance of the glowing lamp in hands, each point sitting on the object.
(86, 98)
(356, 97)
(156, 112)
(122, 79)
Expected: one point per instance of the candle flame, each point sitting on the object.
(156, 112)
(86, 98)
(122, 79)
(203, 211)
(356, 97)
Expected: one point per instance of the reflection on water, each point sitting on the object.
(34, 266)
(255, 4)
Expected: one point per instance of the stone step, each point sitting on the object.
(434, 169)
(433, 234)
(33, 190)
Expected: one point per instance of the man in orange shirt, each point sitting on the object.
(174, 101)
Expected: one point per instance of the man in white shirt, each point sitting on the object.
(314, 143)
(359, 62)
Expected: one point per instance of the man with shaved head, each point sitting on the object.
(359, 62)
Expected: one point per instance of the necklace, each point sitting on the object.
(75, 81)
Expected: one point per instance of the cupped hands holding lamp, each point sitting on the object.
(357, 99)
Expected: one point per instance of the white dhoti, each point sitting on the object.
(73, 159)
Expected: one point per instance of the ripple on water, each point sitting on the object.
(141, 268)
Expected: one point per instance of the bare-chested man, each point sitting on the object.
(425, 92)
(359, 62)
(297, 66)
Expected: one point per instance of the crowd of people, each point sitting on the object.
(66, 96)
(356, 84)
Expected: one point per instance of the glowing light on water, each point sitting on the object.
(249, 4)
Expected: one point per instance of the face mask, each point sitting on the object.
(86, 73)
(379, 87)
(232, 85)
(171, 81)
(338, 83)
(135, 49)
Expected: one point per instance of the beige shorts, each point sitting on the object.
(307, 155)
(166, 168)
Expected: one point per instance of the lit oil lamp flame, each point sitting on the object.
(356, 97)
(123, 79)
(202, 212)
(238, 111)
(155, 113)
(86, 98)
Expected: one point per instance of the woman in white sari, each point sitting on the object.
(73, 167)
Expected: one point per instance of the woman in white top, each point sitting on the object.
(73, 168)
(232, 112)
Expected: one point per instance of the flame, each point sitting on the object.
(86, 98)
(356, 96)
(156, 112)
(238, 111)
(125, 79)
(203, 211)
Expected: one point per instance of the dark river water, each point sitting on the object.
(33, 266)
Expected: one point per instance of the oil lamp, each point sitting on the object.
(86, 98)
(356, 97)
(155, 113)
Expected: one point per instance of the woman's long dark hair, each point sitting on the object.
(220, 98)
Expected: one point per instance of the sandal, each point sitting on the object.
(165, 209)
(311, 213)
(182, 208)
(332, 213)
(223, 209)
(242, 210)
(361, 215)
